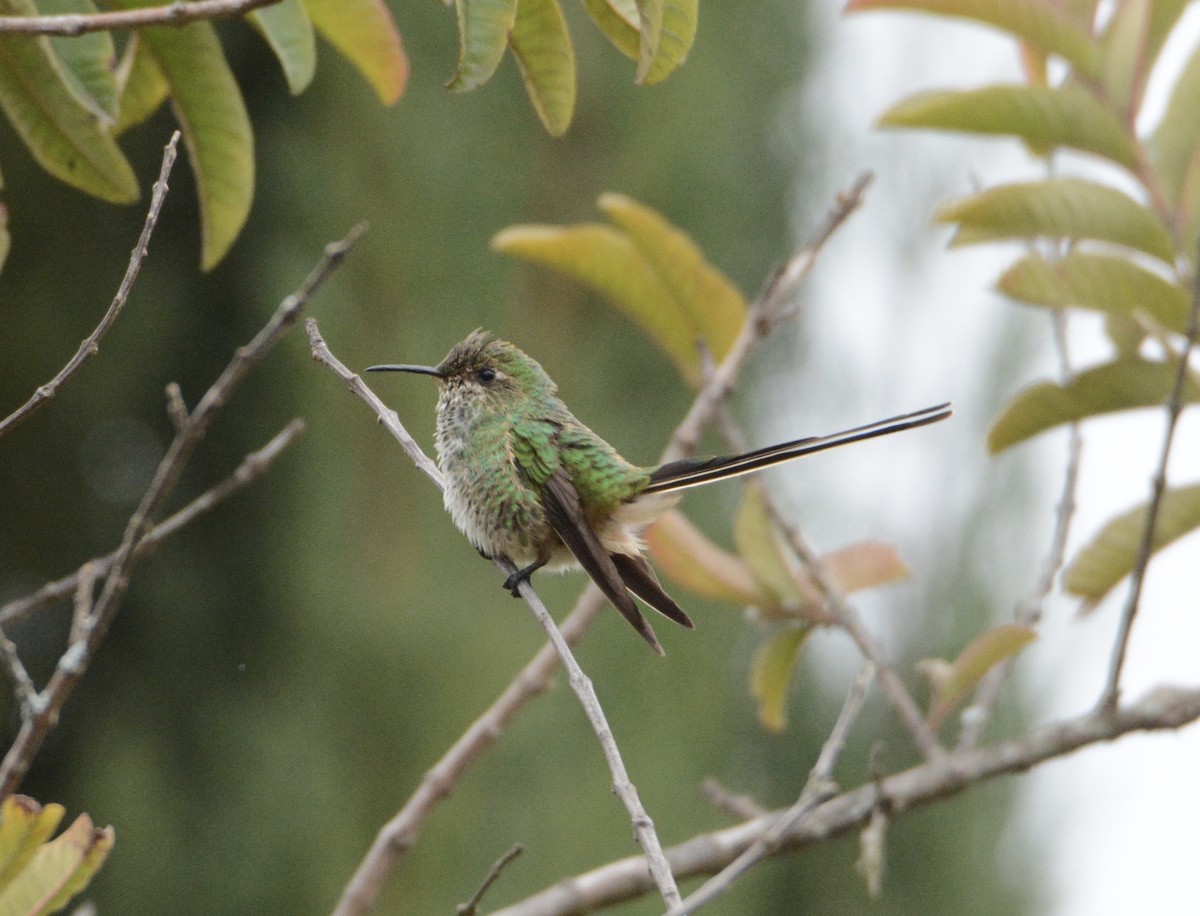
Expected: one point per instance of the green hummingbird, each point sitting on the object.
(525, 479)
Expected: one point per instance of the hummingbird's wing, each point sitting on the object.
(568, 519)
(640, 579)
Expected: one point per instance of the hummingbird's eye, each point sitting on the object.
(487, 375)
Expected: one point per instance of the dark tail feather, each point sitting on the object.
(691, 472)
(640, 579)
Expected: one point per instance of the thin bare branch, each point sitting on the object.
(471, 907)
(91, 344)
(74, 661)
(738, 805)
(1166, 708)
(1112, 688)
(177, 14)
(252, 467)
(819, 788)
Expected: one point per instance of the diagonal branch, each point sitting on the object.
(1165, 708)
(176, 14)
(91, 631)
(91, 344)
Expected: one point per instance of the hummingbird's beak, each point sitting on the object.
(419, 370)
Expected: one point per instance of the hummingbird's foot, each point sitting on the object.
(513, 582)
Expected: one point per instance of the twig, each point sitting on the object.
(27, 693)
(176, 14)
(1166, 708)
(1112, 688)
(819, 788)
(741, 806)
(252, 467)
(471, 907)
(91, 344)
(74, 661)
(624, 788)
(400, 833)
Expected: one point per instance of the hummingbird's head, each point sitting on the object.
(486, 373)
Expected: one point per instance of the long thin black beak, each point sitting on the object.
(419, 370)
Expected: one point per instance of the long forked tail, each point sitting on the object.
(692, 472)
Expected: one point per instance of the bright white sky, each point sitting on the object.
(901, 321)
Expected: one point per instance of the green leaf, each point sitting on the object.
(650, 21)
(24, 826)
(715, 307)
(618, 20)
(676, 33)
(289, 32)
(952, 683)
(760, 546)
(690, 559)
(89, 60)
(1175, 147)
(142, 85)
(216, 128)
(771, 674)
(1130, 45)
(1043, 117)
(1120, 385)
(364, 33)
(1039, 23)
(1113, 285)
(1068, 208)
(62, 135)
(1111, 555)
(542, 46)
(483, 28)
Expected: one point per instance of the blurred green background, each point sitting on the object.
(283, 672)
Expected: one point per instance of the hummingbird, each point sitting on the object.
(526, 480)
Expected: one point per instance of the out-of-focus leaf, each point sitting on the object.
(483, 28)
(759, 545)
(364, 33)
(609, 262)
(650, 20)
(689, 558)
(1045, 118)
(216, 129)
(771, 674)
(1059, 208)
(1130, 45)
(543, 50)
(864, 565)
(24, 826)
(677, 31)
(1111, 555)
(1039, 23)
(142, 85)
(952, 683)
(289, 33)
(89, 60)
(715, 307)
(1105, 283)
(5, 238)
(58, 870)
(1121, 385)
(62, 135)
(1175, 145)
(618, 20)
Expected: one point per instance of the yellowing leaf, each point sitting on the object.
(650, 20)
(1120, 385)
(62, 135)
(984, 652)
(1039, 23)
(1111, 555)
(864, 565)
(608, 261)
(289, 33)
(690, 559)
(58, 870)
(364, 33)
(1132, 39)
(759, 545)
(715, 307)
(1114, 285)
(771, 674)
(24, 826)
(542, 46)
(676, 32)
(216, 129)
(142, 85)
(483, 27)
(1045, 118)
(618, 20)
(1068, 208)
